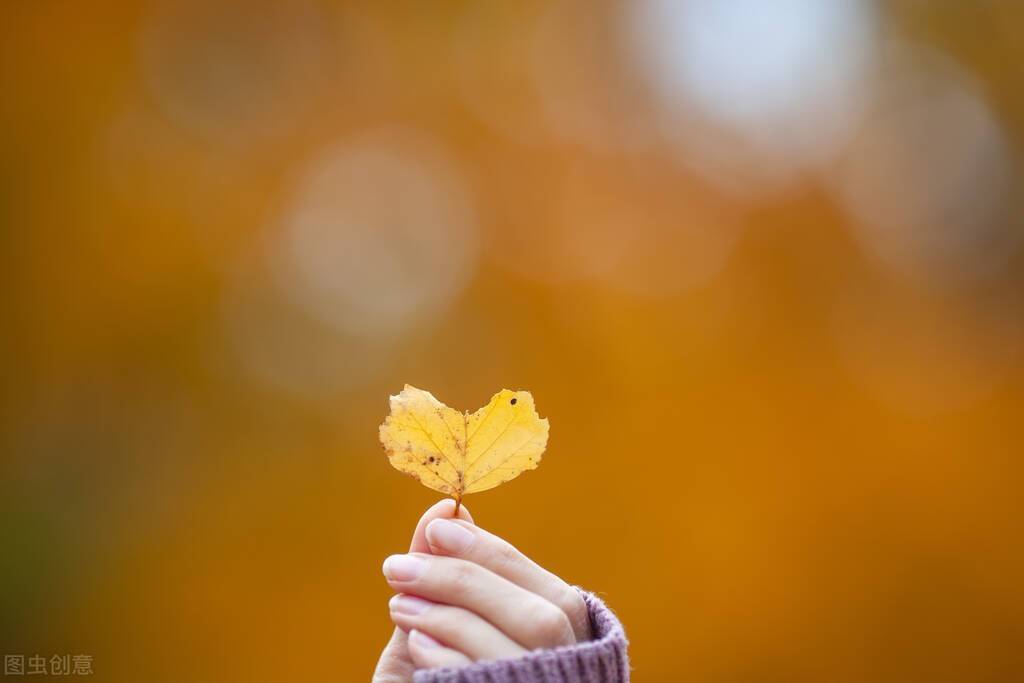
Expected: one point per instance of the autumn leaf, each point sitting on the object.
(460, 453)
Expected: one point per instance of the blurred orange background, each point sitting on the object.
(759, 263)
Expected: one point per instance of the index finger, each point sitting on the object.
(457, 538)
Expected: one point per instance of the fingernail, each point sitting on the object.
(449, 535)
(423, 640)
(404, 567)
(409, 604)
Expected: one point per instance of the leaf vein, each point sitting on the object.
(437, 448)
(504, 460)
(484, 451)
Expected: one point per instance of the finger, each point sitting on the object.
(526, 617)
(427, 653)
(460, 629)
(442, 508)
(469, 542)
(394, 665)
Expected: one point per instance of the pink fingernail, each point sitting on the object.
(404, 567)
(409, 604)
(449, 535)
(423, 640)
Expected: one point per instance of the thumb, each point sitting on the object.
(443, 508)
(395, 665)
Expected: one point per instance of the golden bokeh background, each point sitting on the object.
(759, 263)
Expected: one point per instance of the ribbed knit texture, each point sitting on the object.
(601, 660)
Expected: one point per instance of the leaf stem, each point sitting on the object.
(458, 502)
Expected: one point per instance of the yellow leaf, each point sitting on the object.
(459, 453)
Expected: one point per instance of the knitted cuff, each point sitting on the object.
(601, 660)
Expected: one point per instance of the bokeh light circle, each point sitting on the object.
(928, 182)
(755, 93)
(378, 234)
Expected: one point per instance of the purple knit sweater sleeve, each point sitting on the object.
(601, 660)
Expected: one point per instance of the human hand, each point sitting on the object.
(469, 596)
(395, 664)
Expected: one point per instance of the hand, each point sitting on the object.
(471, 596)
(395, 664)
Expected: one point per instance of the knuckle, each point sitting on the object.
(572, 603)
(461, 577)
(576, 609)
(551, 625)
(506, 556)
